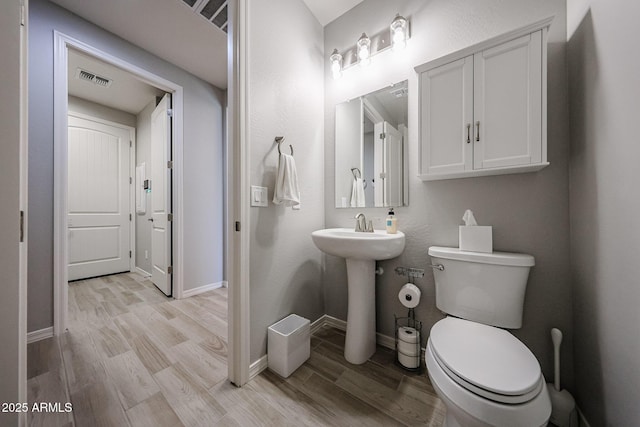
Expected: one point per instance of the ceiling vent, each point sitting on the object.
(214, 11)
(93, 78)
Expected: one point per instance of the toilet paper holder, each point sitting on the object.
(413, 361)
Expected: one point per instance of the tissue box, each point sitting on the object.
(476, 238)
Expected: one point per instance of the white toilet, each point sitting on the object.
(484, 375)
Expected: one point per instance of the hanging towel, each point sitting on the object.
(357, 193)
(286, 192)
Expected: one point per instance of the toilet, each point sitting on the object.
(484, 375)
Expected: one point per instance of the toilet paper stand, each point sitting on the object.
(408, 333)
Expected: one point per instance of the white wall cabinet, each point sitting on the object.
(483, 109)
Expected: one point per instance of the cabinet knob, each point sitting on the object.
(478, 130)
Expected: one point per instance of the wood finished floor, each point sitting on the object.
(133, 357)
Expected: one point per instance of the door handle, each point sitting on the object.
(468, 133)
(150, 219)
(478, 130)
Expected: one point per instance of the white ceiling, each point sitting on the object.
(167, 28)
(126, 92)
(172, 31)
(328, 10)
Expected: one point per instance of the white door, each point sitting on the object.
(161, 195)
(393, 162)
(508, 103)
(446, 116)
(98, 197)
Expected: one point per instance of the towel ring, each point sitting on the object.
(353, 171)
(280, 140)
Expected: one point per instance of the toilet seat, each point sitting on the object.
(486, 360)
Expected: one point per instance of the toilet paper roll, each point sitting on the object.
(409, 295)
(410, 362)
(408, 335)
(408, 349)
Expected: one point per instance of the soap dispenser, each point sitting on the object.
(392, 222)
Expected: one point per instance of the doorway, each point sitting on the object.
(95, 215)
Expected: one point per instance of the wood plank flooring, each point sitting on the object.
(133, 357)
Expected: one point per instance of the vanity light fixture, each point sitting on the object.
(395, 37)
(399, 32)
(364, 50)
(336, 64)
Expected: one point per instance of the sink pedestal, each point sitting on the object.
(360, 343)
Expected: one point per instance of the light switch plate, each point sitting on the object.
(259, 196)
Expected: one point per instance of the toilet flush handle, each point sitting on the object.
(437, 266)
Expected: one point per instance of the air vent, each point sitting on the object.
(93, 78)
(214, 11)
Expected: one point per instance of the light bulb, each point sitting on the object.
(364, 49)
(399, 32)
(336, 64)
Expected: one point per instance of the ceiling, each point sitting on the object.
(171, 31)
(126, 92)
(175, 33)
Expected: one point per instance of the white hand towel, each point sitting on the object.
(357, 194)
(287, 192)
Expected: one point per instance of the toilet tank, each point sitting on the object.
(487, 288)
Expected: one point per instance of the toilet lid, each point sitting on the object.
(487, 360)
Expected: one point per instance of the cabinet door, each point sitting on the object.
(446, 118)
(508, 103)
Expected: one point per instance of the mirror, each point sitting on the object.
(371, 146)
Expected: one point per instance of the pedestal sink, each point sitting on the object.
(361, 251)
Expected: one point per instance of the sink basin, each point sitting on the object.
(346, 243)
(361, 251)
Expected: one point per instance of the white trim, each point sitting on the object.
(142, 272)
(132, 173)
(24, 206)
(238, 260)
(258, 366)
(326, 320)
(485, 172)
(202, 289)
(316, 325)
(60, 251)
(582, 420)
(39, 335)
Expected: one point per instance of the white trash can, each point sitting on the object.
(288, 344)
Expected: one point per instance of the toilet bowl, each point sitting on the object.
(485, 376)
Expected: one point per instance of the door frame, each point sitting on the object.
(62, 43)
(132, 174)
(238, 264)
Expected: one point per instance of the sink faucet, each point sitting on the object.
(361, 224)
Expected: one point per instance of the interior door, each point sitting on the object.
(98, 199)
(161, 195)
(393, 160)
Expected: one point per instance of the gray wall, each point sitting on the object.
(203, 155)
(529, 212)
(82, 106)
(9, 208)
(143, 155)
(286, 92)
(604, 82)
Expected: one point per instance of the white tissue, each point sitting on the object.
(468, 218)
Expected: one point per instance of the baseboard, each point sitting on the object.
(197, 291)
(326, 320)
(257, 367)
(582, 421)
(317, 325)
(142, 272)
(39, 335)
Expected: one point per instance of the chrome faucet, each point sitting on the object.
(361, 224)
